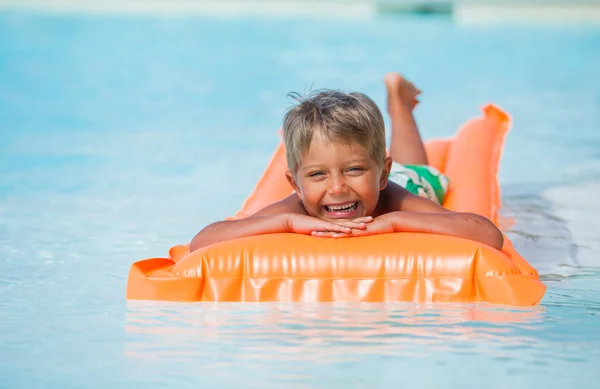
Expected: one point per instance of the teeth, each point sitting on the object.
(344, 207)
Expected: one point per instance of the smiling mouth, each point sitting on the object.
(341, 208)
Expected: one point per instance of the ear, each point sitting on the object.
(292, 181)
(385, 173)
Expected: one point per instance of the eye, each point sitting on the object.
(315, 174)
(355, 169)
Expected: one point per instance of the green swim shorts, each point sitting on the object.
(421, 180)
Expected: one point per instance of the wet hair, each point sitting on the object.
(337, 116)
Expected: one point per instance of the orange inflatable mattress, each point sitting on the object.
(410, 267)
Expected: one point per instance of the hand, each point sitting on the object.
(356, 226)
(380, 225)
(309, 225)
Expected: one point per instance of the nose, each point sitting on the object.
(337, 185)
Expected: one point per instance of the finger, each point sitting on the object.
(330, 234)
(364, 232)
(332, 227)
(333, 234)
(358, 226)
(359, 222)
(340, 235)
(351, 225)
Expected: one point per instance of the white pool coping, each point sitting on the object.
(464, 12)
(313, 8)
(554, 12)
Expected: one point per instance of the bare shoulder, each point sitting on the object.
(396, 198)
(290, 204)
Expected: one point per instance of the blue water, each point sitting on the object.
(121, 136)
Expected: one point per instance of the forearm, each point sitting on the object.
(463, 225)
(232, 229)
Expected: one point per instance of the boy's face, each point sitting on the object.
(339, 180)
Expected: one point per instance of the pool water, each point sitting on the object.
(121, 136)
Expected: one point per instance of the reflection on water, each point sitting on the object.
(317, 345)
(289, 331)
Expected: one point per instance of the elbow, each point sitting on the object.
(211, 234)
(497, 239)
(202, 239)
(197, 242)
(494, 237)
(488, 232)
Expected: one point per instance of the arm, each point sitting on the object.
(407, 212)
(268, 220)
(232, 229)
(287, 215)
(462, 225)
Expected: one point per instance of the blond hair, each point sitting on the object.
(337, 116)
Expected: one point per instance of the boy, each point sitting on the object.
(335, 148)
